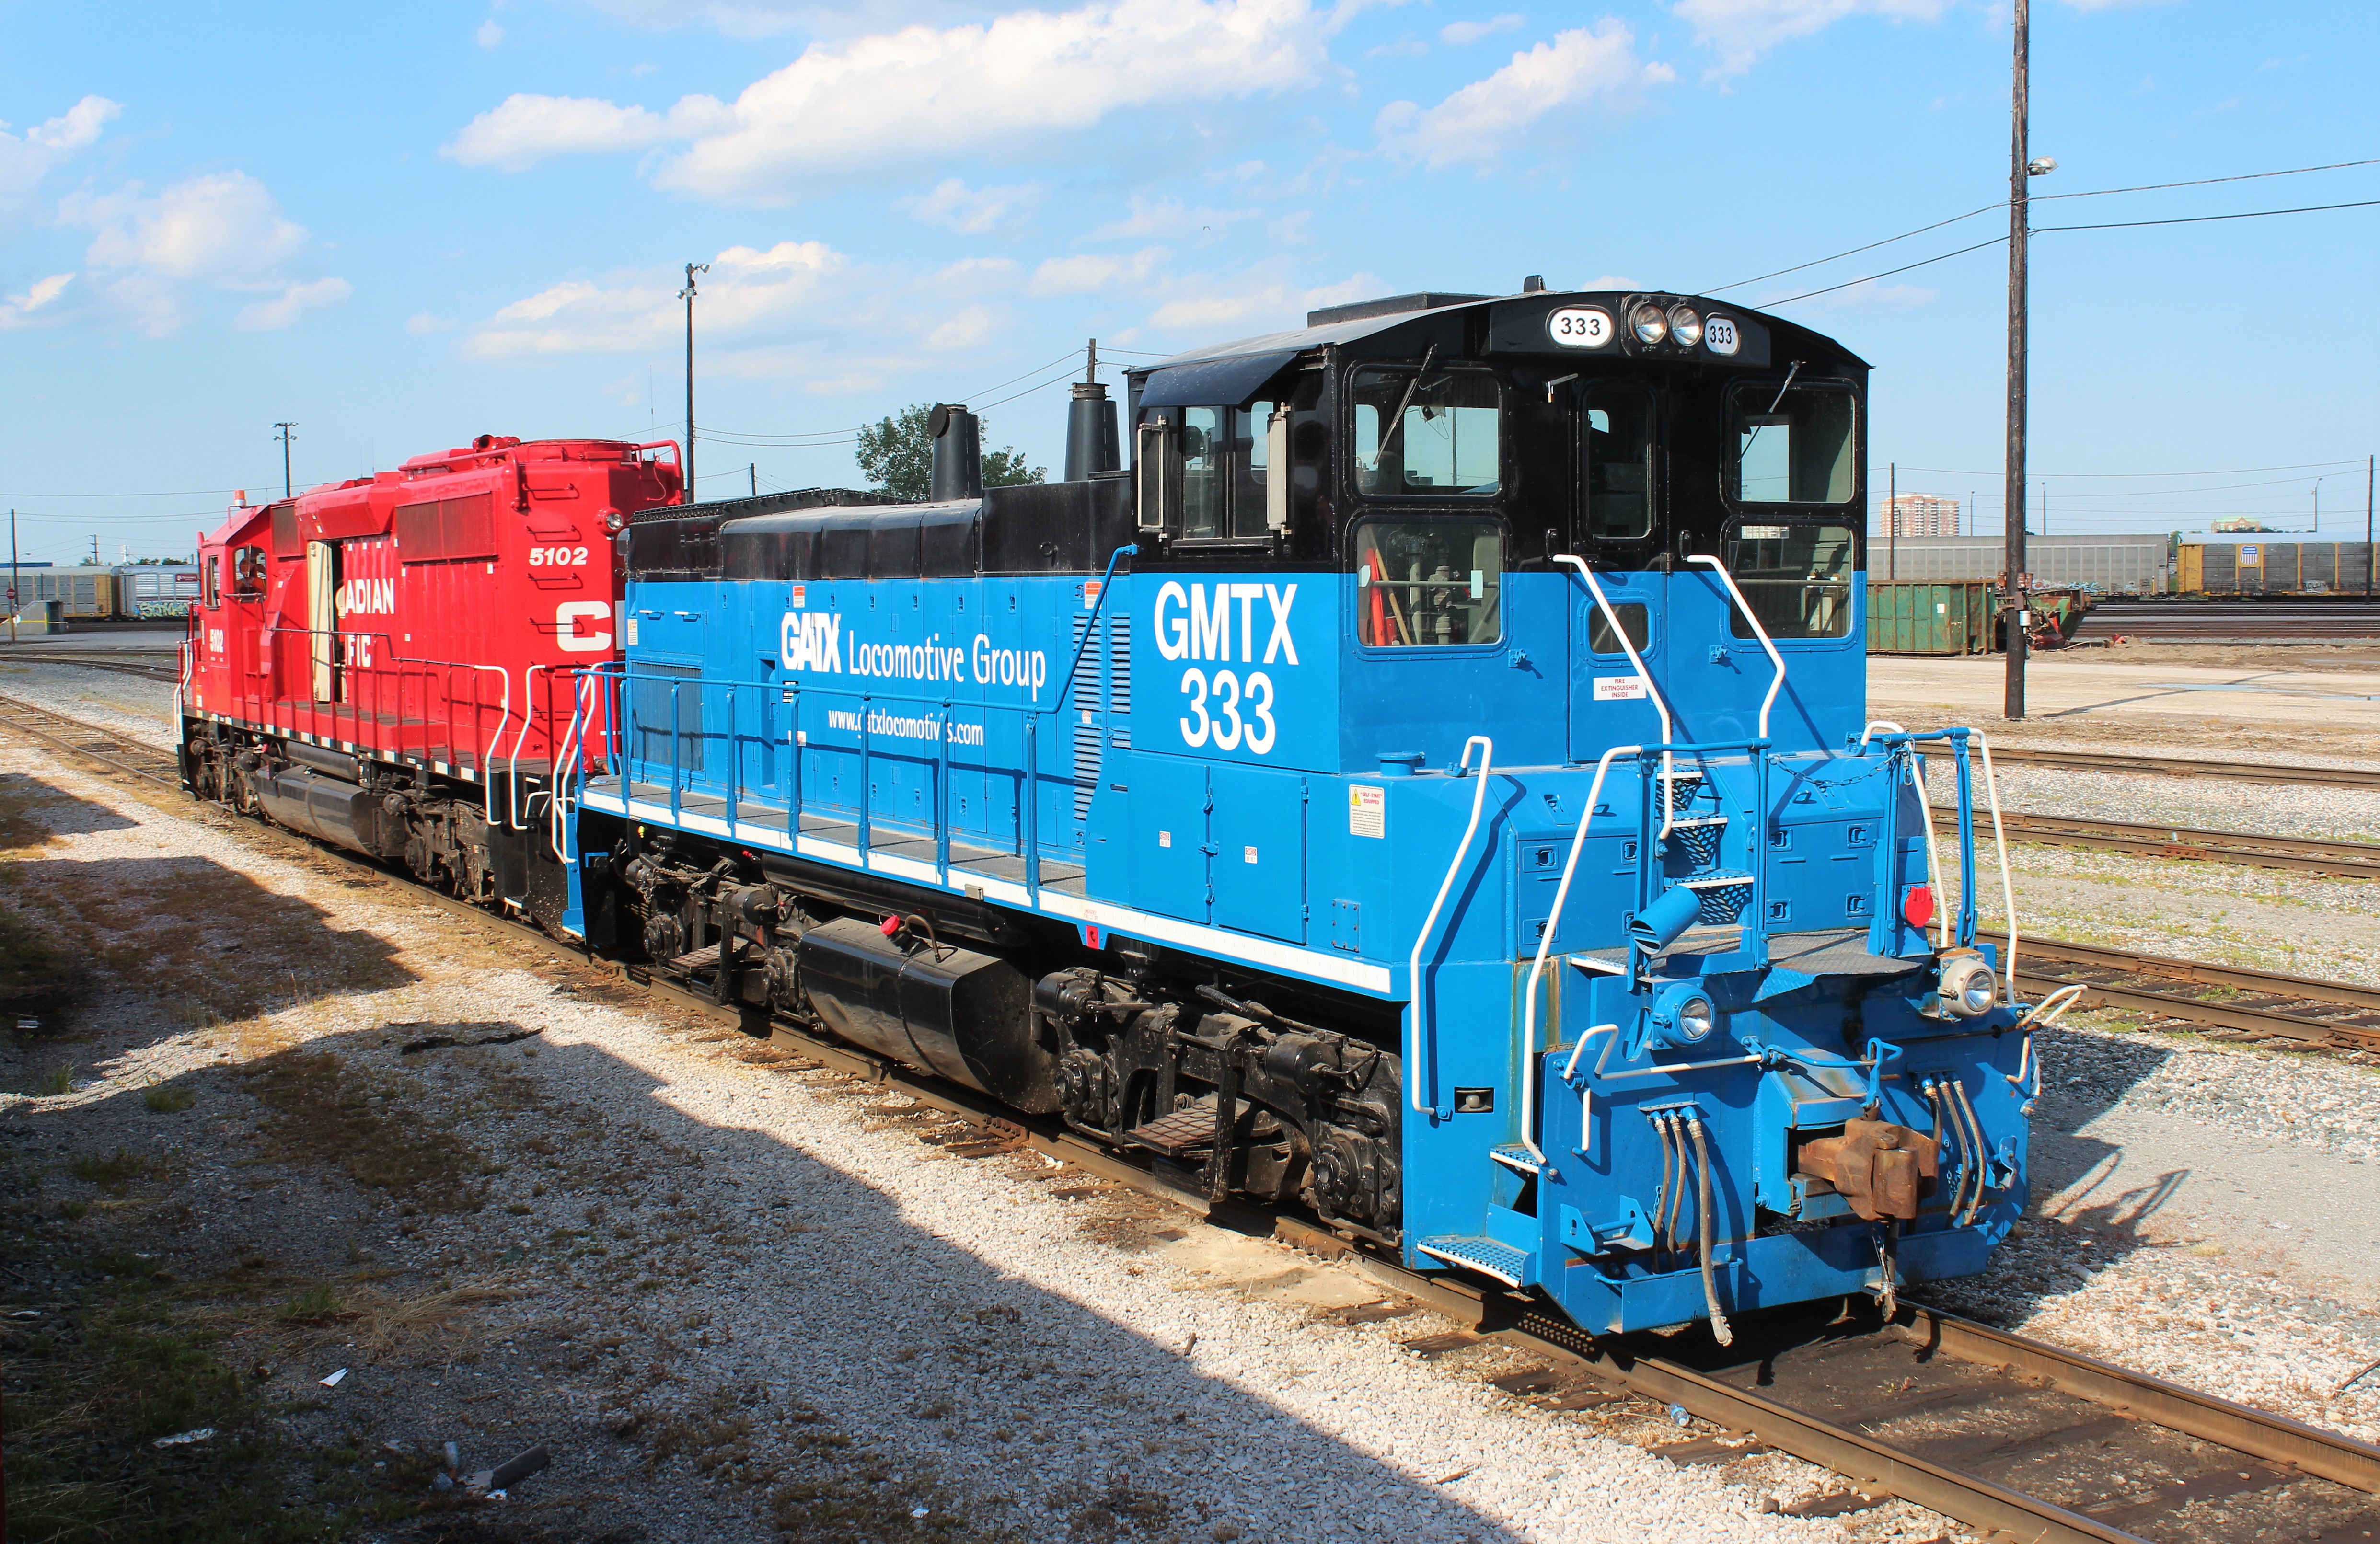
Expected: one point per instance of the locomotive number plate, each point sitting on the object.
(1720, 336)
(1580, 326)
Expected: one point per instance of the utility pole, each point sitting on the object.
(2367, 527)
(285, 437)
(686, 295)
(2045, 509)
(2317, 504)
(14, 607)
(1892, 520)
(2017, 604)
(753, 471)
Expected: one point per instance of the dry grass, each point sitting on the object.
(325, 1108)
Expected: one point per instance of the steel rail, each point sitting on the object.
(2250, 849)
(2170, 766)
(1874, 1465)
(2308, 997)
(127, 662)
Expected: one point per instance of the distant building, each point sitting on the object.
(2241, 525)
(1922, 514)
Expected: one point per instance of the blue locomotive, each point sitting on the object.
(1429, 787)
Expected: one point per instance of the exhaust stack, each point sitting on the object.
(1091, 444)
(958, 454)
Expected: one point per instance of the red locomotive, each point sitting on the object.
(387, 663)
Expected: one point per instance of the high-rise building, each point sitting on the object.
(1922, 514)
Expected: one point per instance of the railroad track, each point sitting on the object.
(2359, 860)
(2298, 1011)
(128, 662)
(2023, 1440)
(2172, 766)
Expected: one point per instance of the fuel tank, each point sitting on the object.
(328, 808)
(961, 1014)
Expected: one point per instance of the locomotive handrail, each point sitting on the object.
(1958, 736)
(1107, 579)
(1660, 705)
(1545, 947)
(1416, 1056)
(1777, 681)
(512, 763)
(1926, 810)
(376, 677)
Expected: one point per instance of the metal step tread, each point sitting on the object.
(1513, 1155)
(1187, 1130)
(1490, 1257)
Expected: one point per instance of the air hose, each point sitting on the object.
(1719, 1331)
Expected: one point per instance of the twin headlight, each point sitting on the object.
(1679, 321)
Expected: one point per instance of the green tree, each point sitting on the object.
(897, 456)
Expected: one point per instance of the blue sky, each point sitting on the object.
(402, 226)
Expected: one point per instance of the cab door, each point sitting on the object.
(1618, 458)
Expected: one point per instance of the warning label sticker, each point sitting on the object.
(1619, 689)
(1367, 810)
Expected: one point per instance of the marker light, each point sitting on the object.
(1685, 325)
(1918, 904)
(1650, 324)
(1966, 986)
(613, 520)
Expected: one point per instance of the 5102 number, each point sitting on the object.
(1221, 724)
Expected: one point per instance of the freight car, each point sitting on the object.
(1431, 787)
(388, 664)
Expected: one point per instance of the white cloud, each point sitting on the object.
(489, 34)
(1257, 301)
(760, 19)
(1167, 216)
(1460, 34)
(292, 303)
(223, 231)
(921, 94)
(1741, 30)
(1091, 272)
(747, 292)
(27, 158)
(974, 211)
(1480, 122)
(18, 311)
(526, 128)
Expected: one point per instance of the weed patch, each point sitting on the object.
(168, 1098)
(324, 1109)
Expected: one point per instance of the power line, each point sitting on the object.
(2120, 225)
(2201, 182)
(2202, 219)
(2226, 471)
(1986, 209)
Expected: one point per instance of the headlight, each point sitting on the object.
(1650, 324)
(1966, 986)
(1694, 1018)
(1685, 325)
(613, 520)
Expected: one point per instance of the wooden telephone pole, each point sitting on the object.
(2015, 606)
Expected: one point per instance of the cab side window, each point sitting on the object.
(1437, 436)
(210, 582)
(1429, 583)
(247, 574)
(1618, 464)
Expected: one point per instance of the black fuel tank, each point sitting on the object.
(952, 1012)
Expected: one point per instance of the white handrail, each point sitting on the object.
(1999, 843)
(1668, 730)
(1545, 947)
(1932, 857)
(1775, 682)
(488, 756)
(512, 762)
(1412, 977)
(561, 775)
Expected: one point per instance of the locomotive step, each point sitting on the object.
(1491, 1257)
(1512, 1155)
(1190, 1129)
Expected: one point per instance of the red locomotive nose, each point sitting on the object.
(1918, 904)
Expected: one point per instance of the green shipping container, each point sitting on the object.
(1921, 616)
